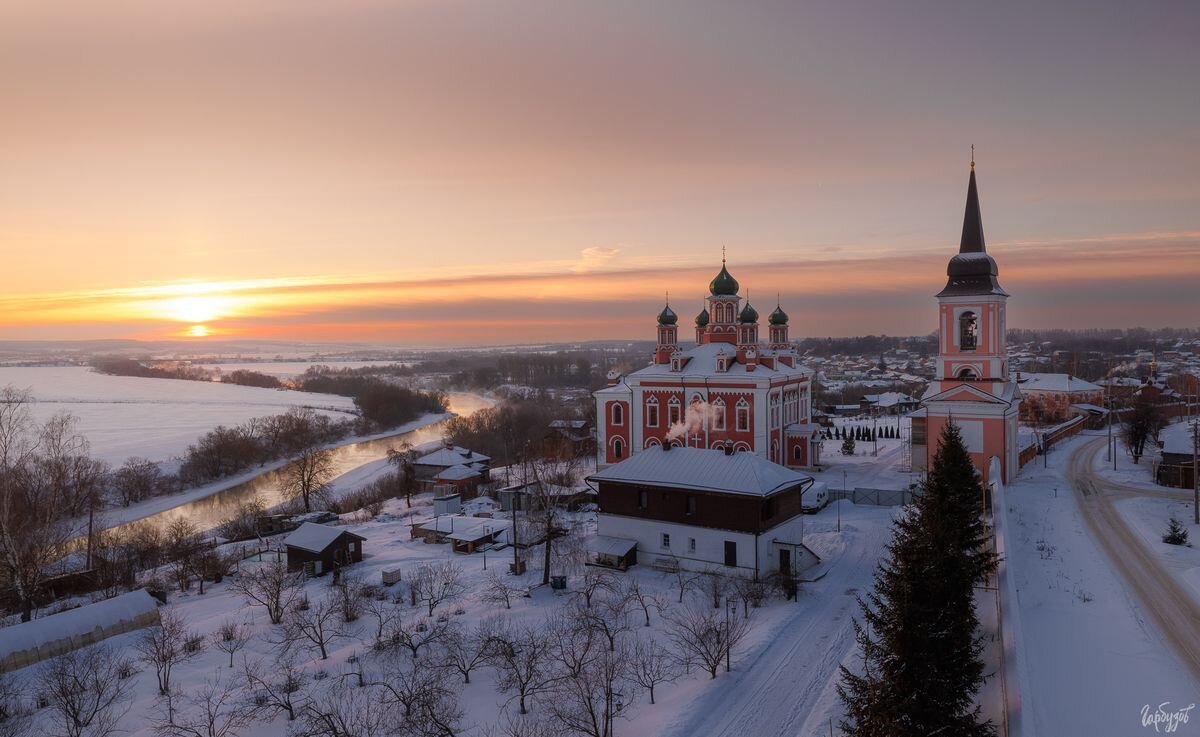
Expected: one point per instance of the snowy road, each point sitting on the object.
(783, 688)
(1172, 609)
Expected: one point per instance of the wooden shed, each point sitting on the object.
(326, 548)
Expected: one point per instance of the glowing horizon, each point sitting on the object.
(454, 174)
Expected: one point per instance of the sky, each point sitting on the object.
(444, 172)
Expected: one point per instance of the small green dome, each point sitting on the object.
(723, 284)
(667, 316)
(749, 315)
(702, 318)
(778, 317)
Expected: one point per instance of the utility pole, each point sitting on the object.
(1195, 476)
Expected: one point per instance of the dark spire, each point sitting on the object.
(972, 270)
(972, 234)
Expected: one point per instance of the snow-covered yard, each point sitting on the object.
(783, 672)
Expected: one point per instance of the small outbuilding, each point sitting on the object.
(317, 549)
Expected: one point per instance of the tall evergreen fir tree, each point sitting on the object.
(919, 636)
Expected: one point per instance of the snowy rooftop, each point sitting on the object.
(458, 473)
(1177, 438)
(460, 527)
(313, 537)
(702, 361)
(1056, 383)
(452, 457)
(75, 622)
(705, 470)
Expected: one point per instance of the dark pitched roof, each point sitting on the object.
(972, 233)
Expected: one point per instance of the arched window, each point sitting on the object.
(797, 453)
(717, 411)
(968, 331)
(618, 414)
(618, 449)
(743, 416)
(673, 411)
(652, 412)
(967, 374)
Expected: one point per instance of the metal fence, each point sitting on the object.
(877, 497)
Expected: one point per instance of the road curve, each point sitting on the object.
(1171, 608)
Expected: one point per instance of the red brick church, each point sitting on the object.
(729, 390)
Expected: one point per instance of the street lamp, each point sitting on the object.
(730, 607)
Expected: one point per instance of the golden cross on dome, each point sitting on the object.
(972, 156)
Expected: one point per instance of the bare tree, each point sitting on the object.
(1142, 423)
(165, 647)
(544, 502)
(416, 633)
(521, 658)
(434, 583)
(136, 480)
(651, 664)
(704, 636)
(385, 612)
(230, 638)
(684, 579)
(88, 691)
(350, 593)
(643, 599)
(466, 651)
(216, 710)
(406, 475)
(278, 689)
(751, 592)
(424, 694)
(347, 713)
(714, 583)
(308, 477)
(34, 502)
(271, 586)
(594, 581)
(183, 547)
(498, 591)
(589, 701)
(609, 617)
(16, 714)
(315, 626)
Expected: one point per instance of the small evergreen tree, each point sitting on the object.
(848, 446)
(1177, 534)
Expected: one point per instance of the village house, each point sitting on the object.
(1048, 398)
(1174, 467)
(569, 439)
(430, 466)
(318, 549)
(697, 508)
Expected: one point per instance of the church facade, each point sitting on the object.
(729, 390)
(972, 387)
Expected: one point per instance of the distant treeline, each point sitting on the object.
(867, 345)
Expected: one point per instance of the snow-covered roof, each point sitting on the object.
(451, 457)
(1056, 383)
(314, 538)
(458, 473)
(891, 399)
(801, 428)
(106, 615)
(703, 470)
(467, 529)
(701, 360)
(608, 545)
(1177, 439)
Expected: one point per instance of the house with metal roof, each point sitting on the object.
(698, 508)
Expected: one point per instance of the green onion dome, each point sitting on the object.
(667, 316)
(749, 315)
(702, 318)
(778, 317)
(723, 284)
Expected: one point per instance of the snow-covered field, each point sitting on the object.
(1092, 659)
(125, 416)
(291, 369)
(783, 673)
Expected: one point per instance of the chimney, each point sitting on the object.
(666, 446)
(729, 450)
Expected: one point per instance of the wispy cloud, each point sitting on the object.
(593, 258)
